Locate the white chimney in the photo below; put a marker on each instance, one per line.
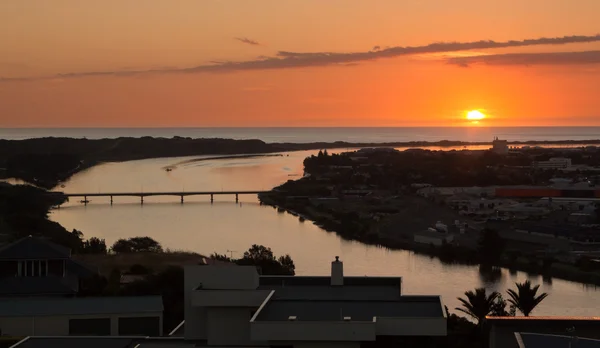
(337, 272)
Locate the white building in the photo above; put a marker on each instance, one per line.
(500, 146)
(234, 306)
(554, 163)
(436, 238)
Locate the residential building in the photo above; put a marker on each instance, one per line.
(502, 330)
(500, 146)
(33, 266)
(433, 237)
(97, 316)
(235, 306)
(553, 163)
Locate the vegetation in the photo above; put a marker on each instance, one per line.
(94, 246)
(491, 247)
(525, 299)
(478, 304)
(263, 258)
(137, 245)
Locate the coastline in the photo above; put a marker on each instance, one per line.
(459, 255)
(65, 157)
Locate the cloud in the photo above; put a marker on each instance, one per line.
(551, 58)
(247, 41)
(288, 60)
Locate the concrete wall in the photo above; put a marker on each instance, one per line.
(317, 331)
(217, 277)
(411, 326)
(502, 332)
(59, 325)
(229, 326)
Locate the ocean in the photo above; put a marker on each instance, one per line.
(308, 135)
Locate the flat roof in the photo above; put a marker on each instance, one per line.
(23, 307)
(365, 310)
(348, 293)
(75, 342)
(326, 281)
(534, 340)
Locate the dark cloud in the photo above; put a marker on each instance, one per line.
(287, 59)
(247, 41)
(552, 58)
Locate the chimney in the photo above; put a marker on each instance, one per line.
(337, 272)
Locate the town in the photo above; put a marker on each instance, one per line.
(538, 206)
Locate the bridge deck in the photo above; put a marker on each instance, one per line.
(146, 194)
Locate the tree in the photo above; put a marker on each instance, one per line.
(525, 299)
(220, 257)
(491, 246)
(499, 308)
(478, 304)
(94, 246)
(136, 245)
(263, 258)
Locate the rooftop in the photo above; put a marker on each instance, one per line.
(33, 248)
(79, 306)
(24, 286)
(358, 310)
(534, 340)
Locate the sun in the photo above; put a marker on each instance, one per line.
(475, 115)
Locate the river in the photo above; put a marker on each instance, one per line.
(228, 227)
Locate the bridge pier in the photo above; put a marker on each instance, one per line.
(236, 197)
(142, 200)
(181, 199)
(211, 197)
(111, 200)
(85, 201)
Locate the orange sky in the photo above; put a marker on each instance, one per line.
(157, 41)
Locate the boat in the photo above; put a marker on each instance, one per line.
(84, 201)
(280, 210)
(169, 169)
(301, 218)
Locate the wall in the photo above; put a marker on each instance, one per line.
(212, 277)
(59, 325)
(229, 326)
(411, 326)
(502, 333)
(312, 331)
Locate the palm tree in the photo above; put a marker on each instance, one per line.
(526, 298)
(478, 304)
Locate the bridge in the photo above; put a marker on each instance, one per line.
(141, 195)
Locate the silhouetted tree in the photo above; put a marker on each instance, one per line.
(137, 244)
(525, 299)
(478, 304)
(263, 258)
(491, 246)
(94, 246)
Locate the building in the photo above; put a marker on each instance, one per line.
(33, 266)
(500, 146)
(534, 340)
(96, 316)
(235, 306)
(433, 237)
(503, 330)
(553, 163)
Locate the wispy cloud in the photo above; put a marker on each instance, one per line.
(247, 41)
(551, 58)
(287, 59)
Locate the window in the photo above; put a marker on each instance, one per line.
(89, 327)
(32, 268)
(135, 326)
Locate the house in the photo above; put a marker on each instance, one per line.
(553, 163)
(96, 316)
(502, 330)
(500, 146)
(235, 306)
(33, 266)
(534, 340)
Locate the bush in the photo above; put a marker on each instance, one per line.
(94, 246)
(136, 245)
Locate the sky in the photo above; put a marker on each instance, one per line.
(298, 63)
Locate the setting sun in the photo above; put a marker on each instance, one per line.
(475, 115)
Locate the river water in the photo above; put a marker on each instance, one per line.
(228, 227)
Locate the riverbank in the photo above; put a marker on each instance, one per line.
(46, 162)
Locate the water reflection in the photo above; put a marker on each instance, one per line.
(224, 225)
